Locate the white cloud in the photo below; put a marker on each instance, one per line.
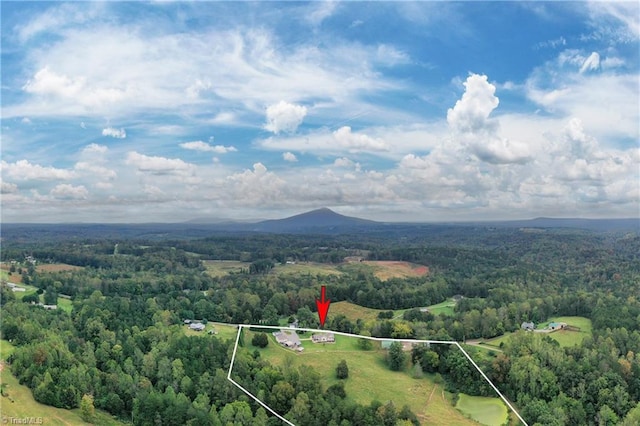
(95, 170)
(24, 170)
(114, 133)
(471, 112)
(257, 187)
(8, 188)
(289, 156)
(321, 11)
(355, 142)
(469, 120)
(26, 120)
(389, 55)
(95, 149)
(284, 117)
(158, 165)
(66, 191)
(205, 147)
(591, 63)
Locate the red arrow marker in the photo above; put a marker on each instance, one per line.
(323, 306)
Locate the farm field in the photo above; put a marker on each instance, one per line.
(387, 269)
(369, 377)
(305, 268)
(13, 278)
(353, 311)
(221, 268)
(24, 406)
(56, 267)
(485, 410)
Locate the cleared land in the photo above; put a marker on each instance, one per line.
(566, 338)
(221, 268)
(221, 331)
(485, 410)
(56, 267)
(570, 337)
(445, 308)
(369, 377)
(387, 269)
(24, 406)
(353, 311)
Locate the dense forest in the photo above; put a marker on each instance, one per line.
(123, 342)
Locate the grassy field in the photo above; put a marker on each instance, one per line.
(570, 337)
(485, 410)
(564, 337)
(56, 267)
(221, 268)
(223, 331)
(445, 307)
(24, 406)
(353, 311)
(386, 269)
(369, 377)
(305, 268)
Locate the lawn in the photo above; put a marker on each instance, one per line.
(222, 331)
(569, 337)
(445, 308)
(485, 410)
(24, 406)
(369, 377)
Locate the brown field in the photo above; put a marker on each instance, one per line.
(56, 267)
(353, 312)
(387, 269)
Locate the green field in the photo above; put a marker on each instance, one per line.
(445, 308)
(222, 331)
(24, 406)
(369, 377)
(221, 268)
(353, 312)
(570, 337)
(485, 410)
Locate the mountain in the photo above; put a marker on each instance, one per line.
(321, 219)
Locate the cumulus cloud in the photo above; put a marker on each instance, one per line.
(205, 147)
(114, 133)
(471, 112)
(357, 141)
(8, 188)
(257, 187)
(289, 156)
(24, 170)
(67, 191)
(284, 117)
(158, 165)
(472, 127)
(95, 170)
(49, 83)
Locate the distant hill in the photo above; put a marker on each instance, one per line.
(321, 219)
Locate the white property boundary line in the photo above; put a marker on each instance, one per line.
(377, 339)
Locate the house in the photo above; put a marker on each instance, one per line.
(187, 321)
(196, 326)
(288, 339)
(323, 338)
(528, 326)
(20, 289)
(49, 307)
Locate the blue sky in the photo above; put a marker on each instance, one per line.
(419, 111)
